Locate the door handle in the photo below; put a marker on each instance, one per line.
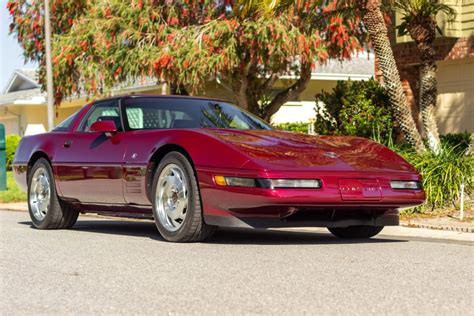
(67, 143)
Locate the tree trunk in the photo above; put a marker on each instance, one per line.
(290, 92)
(374, 21)
(249, 91)
(424, 33)
(240, 86)
(178, 89)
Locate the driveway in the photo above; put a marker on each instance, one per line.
(116, 266)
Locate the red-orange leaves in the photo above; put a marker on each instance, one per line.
(163, 61)
(70, 59)
(11, 7)
(84, 45)
(173, 21)
(118, 72)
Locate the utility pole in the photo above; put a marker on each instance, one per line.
(49, 66)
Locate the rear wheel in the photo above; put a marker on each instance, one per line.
(45, 208)
(176, 201)
(355, 231)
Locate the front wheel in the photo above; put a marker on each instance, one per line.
(355, 231)
(45, 208)
(176, 201)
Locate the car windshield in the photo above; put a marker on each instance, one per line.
(162, 113)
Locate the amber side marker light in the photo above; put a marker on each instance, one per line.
(220, 180)
(268, 183)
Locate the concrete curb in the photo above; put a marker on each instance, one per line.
(425, 233)
(16, 207)
(461, 229)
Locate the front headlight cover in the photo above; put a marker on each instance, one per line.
(295, 183)
(240, 182)
(405, 185)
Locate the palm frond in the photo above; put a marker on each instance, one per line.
(426, 8)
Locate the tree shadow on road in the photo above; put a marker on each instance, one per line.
(223, 236)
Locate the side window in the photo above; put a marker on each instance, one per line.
(104, 111)
(64, 125)
(135, 117)
(151, 116)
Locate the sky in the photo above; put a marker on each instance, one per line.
(11, 57)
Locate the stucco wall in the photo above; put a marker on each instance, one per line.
(18, 117)
(455, 108)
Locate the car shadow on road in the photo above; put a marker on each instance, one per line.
(223, 236)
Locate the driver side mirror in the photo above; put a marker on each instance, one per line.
(107, 127)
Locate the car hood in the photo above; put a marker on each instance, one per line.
(280, 150)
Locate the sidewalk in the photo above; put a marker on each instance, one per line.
(435, 228)
(21, 206)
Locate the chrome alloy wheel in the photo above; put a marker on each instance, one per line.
(172, 197)
(40, 193)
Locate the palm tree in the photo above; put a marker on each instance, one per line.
(419, 20)
(374, 22)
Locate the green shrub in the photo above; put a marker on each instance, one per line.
(13, 193)
(461, 140)
(443, 173)
(299, 127)
(12, 142)
(359, 108)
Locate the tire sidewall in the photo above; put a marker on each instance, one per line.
(43, 163)
(193, 196)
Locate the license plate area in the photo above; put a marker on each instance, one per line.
(360, 189)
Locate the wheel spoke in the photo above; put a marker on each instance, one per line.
(40, 193)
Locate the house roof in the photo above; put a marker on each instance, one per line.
(22, 79)
(30, 96)
(360, 64)
(359, 67)
(24, 89)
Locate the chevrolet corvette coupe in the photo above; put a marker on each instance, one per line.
(193, 164)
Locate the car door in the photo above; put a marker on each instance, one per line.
(89, 164)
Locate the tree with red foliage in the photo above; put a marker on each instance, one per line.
(98, 44)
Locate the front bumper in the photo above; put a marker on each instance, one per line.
(311, 218)
(325, 207)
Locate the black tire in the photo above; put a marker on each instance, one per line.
(192, 228)
(353, 232)
(58, 215)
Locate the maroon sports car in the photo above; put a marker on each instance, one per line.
(194, 164)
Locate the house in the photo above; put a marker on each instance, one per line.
(455, 61)
(23, 104)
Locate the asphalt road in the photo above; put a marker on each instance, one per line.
(114, 266)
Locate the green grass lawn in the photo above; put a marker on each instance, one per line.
(13, 192)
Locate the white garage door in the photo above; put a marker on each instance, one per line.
(455, 109)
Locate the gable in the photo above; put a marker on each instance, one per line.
(20, 81)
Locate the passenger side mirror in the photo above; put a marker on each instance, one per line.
(107, 127)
